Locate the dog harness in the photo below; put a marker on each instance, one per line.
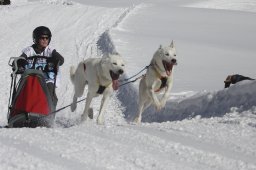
(101, 88)
(84, 67)
(162, 78)
(163, 83)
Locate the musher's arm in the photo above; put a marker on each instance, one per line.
(24, 55)
(57, 57)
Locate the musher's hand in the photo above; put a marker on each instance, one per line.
(21, 64)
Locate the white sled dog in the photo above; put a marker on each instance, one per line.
(101, 75)
(158, 78)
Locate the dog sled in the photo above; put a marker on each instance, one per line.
(30, 102)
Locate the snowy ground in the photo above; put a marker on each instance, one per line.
(203, 126)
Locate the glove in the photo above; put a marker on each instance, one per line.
(53, 60)
(57, 57)
(21, 64)
(51, 65)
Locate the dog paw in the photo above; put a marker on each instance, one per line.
(100, 121)
(137, 120)
(158, 107)
(163, 103)
(84, 117)
(90, 113)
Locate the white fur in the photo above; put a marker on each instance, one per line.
(96, 73)
(151, 82)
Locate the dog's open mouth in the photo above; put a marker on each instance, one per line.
(115, 77)
(168, 66)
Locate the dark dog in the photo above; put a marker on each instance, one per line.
(233, 79)
(5, 2)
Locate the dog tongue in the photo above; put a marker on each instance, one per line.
(169, 69)
(115, 84)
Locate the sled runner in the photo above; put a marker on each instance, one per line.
(30, 102)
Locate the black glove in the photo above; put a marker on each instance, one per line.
(51, 65)
(21, 64)
(53, 60)
(57, 57)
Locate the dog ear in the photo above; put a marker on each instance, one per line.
(172, 44)
(160, 47)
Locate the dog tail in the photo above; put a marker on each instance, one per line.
(72, 73)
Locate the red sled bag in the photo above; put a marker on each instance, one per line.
(31, 102)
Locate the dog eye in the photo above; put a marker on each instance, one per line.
(122, 65)
(167, 54)
(115, 63)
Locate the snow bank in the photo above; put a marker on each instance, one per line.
(246, 5)
(239, 97)
(63, 2)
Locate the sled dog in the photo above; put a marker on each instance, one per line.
(158, 78)
(101, 75)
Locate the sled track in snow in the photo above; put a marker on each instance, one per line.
(189, 142)
(50, 157)
(105, 43)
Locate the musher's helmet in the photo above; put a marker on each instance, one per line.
(39, 31)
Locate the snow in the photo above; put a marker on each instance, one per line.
(203, 125)
(248, 6)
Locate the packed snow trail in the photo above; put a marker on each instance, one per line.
(40, 156)
(189, 141)
(132, 146)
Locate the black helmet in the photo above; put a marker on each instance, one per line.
(39, 31)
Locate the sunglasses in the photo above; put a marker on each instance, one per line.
(44, 38)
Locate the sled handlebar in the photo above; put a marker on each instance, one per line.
(18, 64)
(13, 63)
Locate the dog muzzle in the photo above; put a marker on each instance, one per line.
(115, 76)
(169, 65)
